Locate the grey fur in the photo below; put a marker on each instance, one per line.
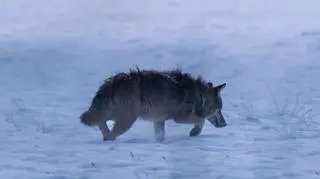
(156, 96)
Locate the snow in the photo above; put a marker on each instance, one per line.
(55, 54)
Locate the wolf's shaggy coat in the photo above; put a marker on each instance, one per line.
(156, 96)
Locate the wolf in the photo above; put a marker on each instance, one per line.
(155, 96)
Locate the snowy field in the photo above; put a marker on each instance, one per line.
(55, 54)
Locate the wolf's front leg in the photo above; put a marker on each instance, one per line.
(196, 130)
(104, 130)
(159, 130)
(121, 126)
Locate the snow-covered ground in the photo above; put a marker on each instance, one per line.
(55, 54)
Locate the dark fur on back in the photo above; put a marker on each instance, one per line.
(145, 79)
(185, 83)
(192, 86)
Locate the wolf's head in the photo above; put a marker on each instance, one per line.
(211, 105)
(99, 105)
(96, 111)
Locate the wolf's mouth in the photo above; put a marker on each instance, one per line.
(221, 125)
(217, 120)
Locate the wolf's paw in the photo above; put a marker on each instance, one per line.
(108, 138)
(194, 132)
(160, 138)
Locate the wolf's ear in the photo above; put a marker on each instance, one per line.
(220, 87)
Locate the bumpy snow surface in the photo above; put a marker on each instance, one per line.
(55, 54)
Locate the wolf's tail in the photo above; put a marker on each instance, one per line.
(89, 121)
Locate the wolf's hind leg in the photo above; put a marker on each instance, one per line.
(196, 130)
(159, 130)
(104, 130)
(121, 126)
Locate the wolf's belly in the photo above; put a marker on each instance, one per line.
(158, 112)
(188, 119)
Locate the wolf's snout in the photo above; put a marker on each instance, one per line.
(217, 120)
(221, 124)
(220, 121)
(87, 118)
(83, 116)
